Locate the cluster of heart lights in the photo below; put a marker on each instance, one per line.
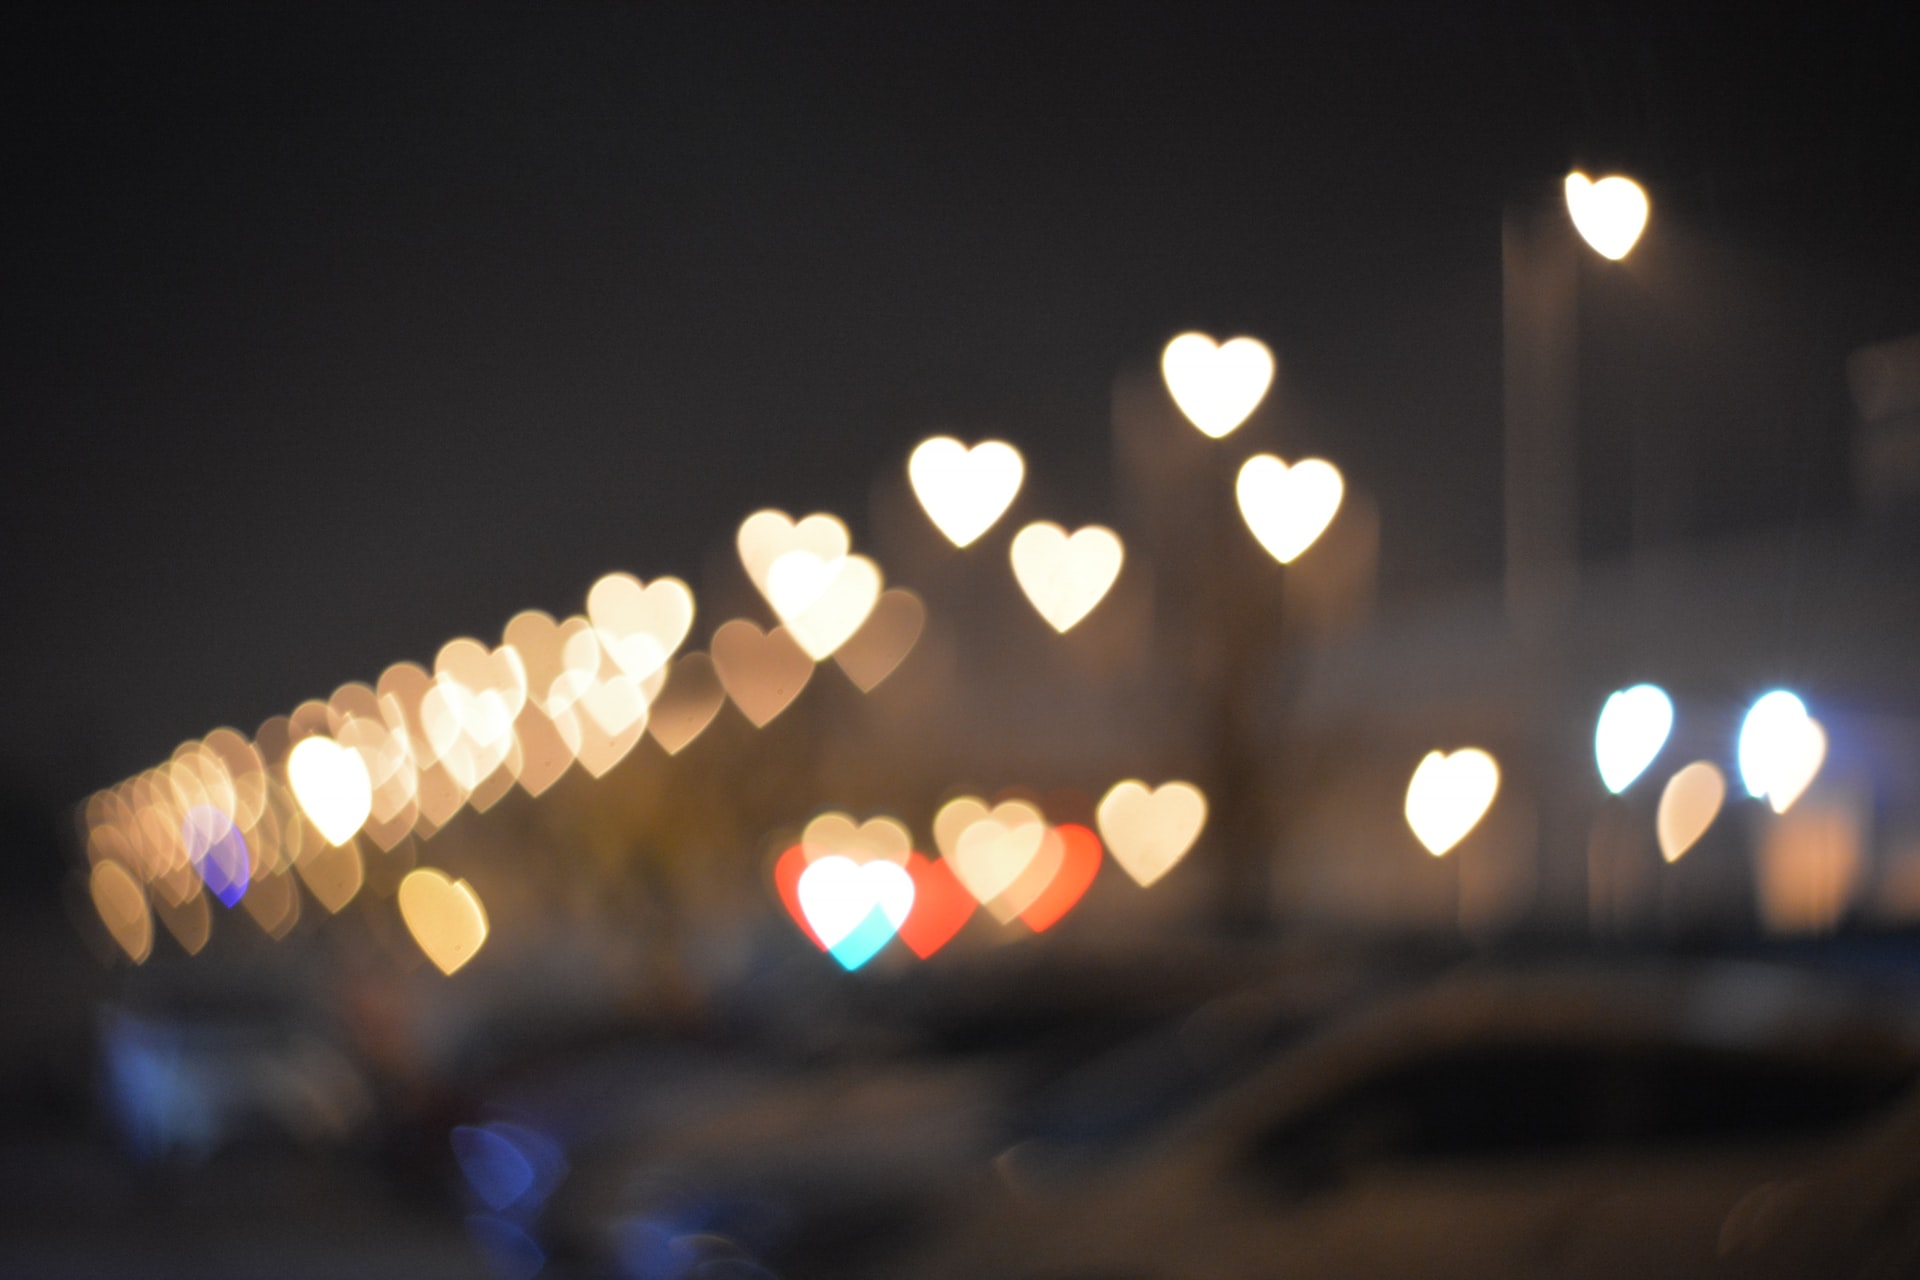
(853, 887)
(239, 818)
(1780, 750)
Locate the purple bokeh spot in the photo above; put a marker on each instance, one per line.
(219, 852)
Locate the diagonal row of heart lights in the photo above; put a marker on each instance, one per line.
(230, 816)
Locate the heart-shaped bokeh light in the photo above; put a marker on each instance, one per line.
(761, 671)
(122, 906)
(1065, 577)
(1217, 386)
(1781, 749)
(823, 603)
(884, 640)
(1287, 508)
(1633, 726)
(331, 783)
(880, 839)
(640, 625)
(1449, 794)
(765, 536)
(1149, 829)
(993, 849)
(941, 905)
(444, 916)
(1080, 859)
(965, 490)
(1688, 806)
(687, 704)
(854, 908)
(1609, 214)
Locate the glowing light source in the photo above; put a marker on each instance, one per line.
(1065, 577)
(1781, 749)
(1609, 214)
(1634, 724)
(1448, 796)
(1150, 829)
(765, 536)
(855, 908)
(444, 916)
(822, 602)
(122, 905)
(331, 783)
(761, 671)
(1288, 508)
(640, 625)
(886, 638)
(1216, 386)
(1688, 806)
(965, 490)
(218, 852)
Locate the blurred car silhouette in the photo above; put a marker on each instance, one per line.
(1570, 1123)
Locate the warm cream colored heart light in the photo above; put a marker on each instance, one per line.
(884, 640)
(1288, 507)
(1149, 829)
(1688, 806)
(993, 851)
(965, 490)
(881, 839)
(823, 603)
(331, 783)
(122, 905)
(1609, 214)
(761, 671)
(1449, 794)
(1217, 386)
(765, 536)
(640, 625)
(1065, 577)
(444, 916)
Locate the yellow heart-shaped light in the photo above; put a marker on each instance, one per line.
(331, 783)
(1288, 507)
(965, 490)
(1609, 214)
(1449, 794)
(1688, 806)
(1216, 386)
(1149, 829)
(444, 916)
(1065, 577)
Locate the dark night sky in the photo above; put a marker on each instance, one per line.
(336, 330)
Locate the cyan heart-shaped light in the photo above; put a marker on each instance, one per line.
(1609, 214)
(822, 602)
(1065, 577)
(1288, 508)
(330, 782)
(854, 908)
(1216, 386)
(1149, 829)
(965, 490)
(1633, 726)
(1449, 794)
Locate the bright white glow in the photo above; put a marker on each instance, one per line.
(1633, 727)
(965, 490)
(1781, 749)
(1609, 214)
(1448, 796)
(331, 783)
(1217, 387)
(1287, 508)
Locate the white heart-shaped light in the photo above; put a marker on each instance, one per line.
(1288, 507)
(1065, 577)
(1449, 794)
(1781, 749)
(1217, 386)
(1609, 214)
(765, 536)
(331, 784)
(1149, 829)
(823, 604)
(640, 625)
(837, 895)
(1634, 724)
(965, 490)
(1688, 806)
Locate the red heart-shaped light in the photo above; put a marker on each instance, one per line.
(941, 905)
(1077, 870)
